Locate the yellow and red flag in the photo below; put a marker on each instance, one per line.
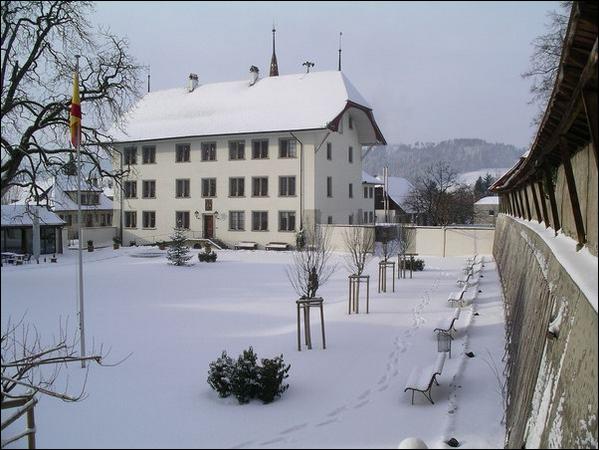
(75, 115)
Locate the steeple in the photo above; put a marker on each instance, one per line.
(274, 67)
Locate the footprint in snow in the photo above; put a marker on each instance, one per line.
(361, 404)
(295, 428)
(272, 441)
(326, 422)
(244, 444)
(337, 411)
(364, 394)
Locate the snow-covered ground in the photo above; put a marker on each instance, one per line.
(175, 320)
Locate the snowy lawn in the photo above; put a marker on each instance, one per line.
(175, 320)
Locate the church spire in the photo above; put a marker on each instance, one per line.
(274, 67)
(339, 65)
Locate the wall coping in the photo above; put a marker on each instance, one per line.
(581, 265)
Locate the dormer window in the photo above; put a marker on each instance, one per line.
(350, 123)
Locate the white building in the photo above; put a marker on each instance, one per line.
(486, 209)
(245, 160)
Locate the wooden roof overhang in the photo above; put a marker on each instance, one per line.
(565, 120)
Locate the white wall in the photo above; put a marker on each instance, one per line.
(102, 236)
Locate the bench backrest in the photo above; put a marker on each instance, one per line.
(456, 314)
(439, 363)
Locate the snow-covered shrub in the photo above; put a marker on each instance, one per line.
(220, 373)
(178, 252)
(207, 255)
(417, 265)
(244, 380)
(272, 374)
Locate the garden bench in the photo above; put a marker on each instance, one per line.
(422, 379)
(457, 296)
(246, 245)
(447, 325)
(276, 246)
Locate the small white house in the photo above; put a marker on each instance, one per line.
(485, 210)
(253, 160)
(19, 229)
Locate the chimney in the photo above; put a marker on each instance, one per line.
(254, 75)
(193, 82)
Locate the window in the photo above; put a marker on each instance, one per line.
(237, 220)
(130, 155)
(350, 122)
(208, 151)
(208, 187)
(329, 151)
(149, 219)
(365, 216)
(148, 154)
(182, 153)
(491, 212)
(260, 149)
(287, 148)
(371, 216)
(182, 188)
(148, 189)
(286, 186)
(330, 220)
(340, 127)
(259, 220)
(259, 186)
(371, 192)
(329, 186)
(351, 190)
(236, 150)
(130, 188)
(350, 219)
(237, 187)
(365, 192)
(182, 219)
(286, 220)
(350, 154)
(130, 219)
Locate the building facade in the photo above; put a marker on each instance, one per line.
(486, 209)
(251, 162)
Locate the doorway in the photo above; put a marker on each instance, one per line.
(208, 226)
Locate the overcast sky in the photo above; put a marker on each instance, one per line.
(431, 71)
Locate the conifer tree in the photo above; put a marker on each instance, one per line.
(178, 253)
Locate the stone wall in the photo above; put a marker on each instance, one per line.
(552, 380)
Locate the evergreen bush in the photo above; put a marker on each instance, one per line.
(272, 374)
(244, 381)
(418, 265)
(220, 373)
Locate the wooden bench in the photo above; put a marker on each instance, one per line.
(276, 246)
(246, 245)
(463, 297)
(422, 379)
(447, 325)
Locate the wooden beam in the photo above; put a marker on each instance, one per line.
(527, 203)
(589, 98)
(535, 201)
(521, 200)
(543, 204)
(570, 180)
(518, 214)
(551, 193)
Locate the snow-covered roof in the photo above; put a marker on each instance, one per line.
(490, 200)
(307, 101)
(19, 215)
(60, 200)
(399, 189)
(367, 178)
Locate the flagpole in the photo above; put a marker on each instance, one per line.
(79, 218)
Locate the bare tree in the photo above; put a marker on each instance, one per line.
(544, 61)
(389, 239)
(311, 266)
(359, 243)
(29, 367)
(39, 42)
(438, 197)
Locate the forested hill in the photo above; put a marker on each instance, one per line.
(465, 155)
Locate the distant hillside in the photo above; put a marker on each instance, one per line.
(465, 155)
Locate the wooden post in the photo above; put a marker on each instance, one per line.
(589, 99)
(31, 427)
(299, 334)
(533, 191)
(565, 152)
(367, 293)
(349, 300)
(543, 203)
(518, 211)
(357, 296)
(526, 203)
(552, 202)
(324, 342)
(411, 265)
